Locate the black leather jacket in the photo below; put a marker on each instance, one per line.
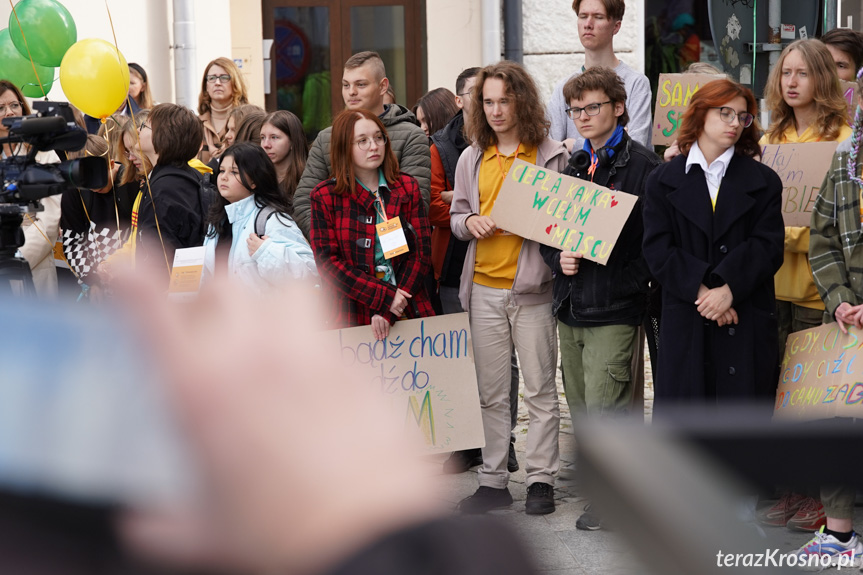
(617, 291)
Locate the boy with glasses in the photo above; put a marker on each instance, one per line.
(599, 307)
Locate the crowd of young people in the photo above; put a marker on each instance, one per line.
(706, 232)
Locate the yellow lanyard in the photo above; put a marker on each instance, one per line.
(502, 163)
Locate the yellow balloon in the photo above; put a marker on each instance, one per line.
(95, 77)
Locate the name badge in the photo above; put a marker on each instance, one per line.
(392, 237)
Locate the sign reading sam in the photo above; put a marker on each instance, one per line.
(561, 211)
(675, 91)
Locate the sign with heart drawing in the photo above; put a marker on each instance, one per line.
(562, 212)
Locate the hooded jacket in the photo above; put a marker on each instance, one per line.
(532, 282)
(409, 144)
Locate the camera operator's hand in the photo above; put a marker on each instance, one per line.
(263, 402)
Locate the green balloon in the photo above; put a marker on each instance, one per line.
(19, 70)
(48, 28)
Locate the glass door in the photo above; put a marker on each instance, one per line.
(313, 38)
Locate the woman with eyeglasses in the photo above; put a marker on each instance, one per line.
(41, 229)
(713, 240)
(222, 90)
(806, 105)
(372, 278)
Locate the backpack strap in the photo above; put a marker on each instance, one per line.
(264, 214)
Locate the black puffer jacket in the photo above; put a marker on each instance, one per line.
(618, 291)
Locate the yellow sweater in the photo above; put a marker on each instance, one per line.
(794, 281)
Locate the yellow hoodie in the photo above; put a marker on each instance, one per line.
(794, 281)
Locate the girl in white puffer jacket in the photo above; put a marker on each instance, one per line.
(276, 252)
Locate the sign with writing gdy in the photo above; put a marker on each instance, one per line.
(802, 168)
(674, 93)
(425, 370)
(821, 376)
(561, 211)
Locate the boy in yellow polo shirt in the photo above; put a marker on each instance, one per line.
(506, 286)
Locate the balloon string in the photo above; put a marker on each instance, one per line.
(140, 149)
(29, 55)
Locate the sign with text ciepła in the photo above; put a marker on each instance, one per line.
(424, 370)
(561, 211)
(821, 376)
(673, 94)
(802, 168)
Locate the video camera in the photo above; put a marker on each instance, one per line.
(24, 180)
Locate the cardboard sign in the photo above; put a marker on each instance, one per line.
(562, 212)
(674, 93)
(426, 371)
(186, 273)
(849, 91)
(821, 376)
(802, 168)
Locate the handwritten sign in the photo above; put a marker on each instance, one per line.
(561, 211)
(425, 369)
(675, 91)
(802, 168)
(849, 91)
(821, 376)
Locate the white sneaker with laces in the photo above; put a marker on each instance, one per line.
(824, 551)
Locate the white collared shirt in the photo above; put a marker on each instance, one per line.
(714, 172)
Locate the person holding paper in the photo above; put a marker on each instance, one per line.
(713, 239)
(599, 307)
(252, 204)
(370, 233)
(806, 105)
(506, 287)
(834, 253)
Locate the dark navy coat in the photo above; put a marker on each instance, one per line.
(686, 244)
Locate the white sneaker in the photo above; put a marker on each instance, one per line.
(824, 551)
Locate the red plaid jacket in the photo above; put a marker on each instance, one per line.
(342, 236)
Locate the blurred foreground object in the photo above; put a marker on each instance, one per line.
(294, 458)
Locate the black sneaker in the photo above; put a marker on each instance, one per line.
(540, 499)
(485, 499)
(512, 462)
(461, 461)
(588, 521)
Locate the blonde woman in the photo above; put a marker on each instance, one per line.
(806, 105)
(222, 90)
